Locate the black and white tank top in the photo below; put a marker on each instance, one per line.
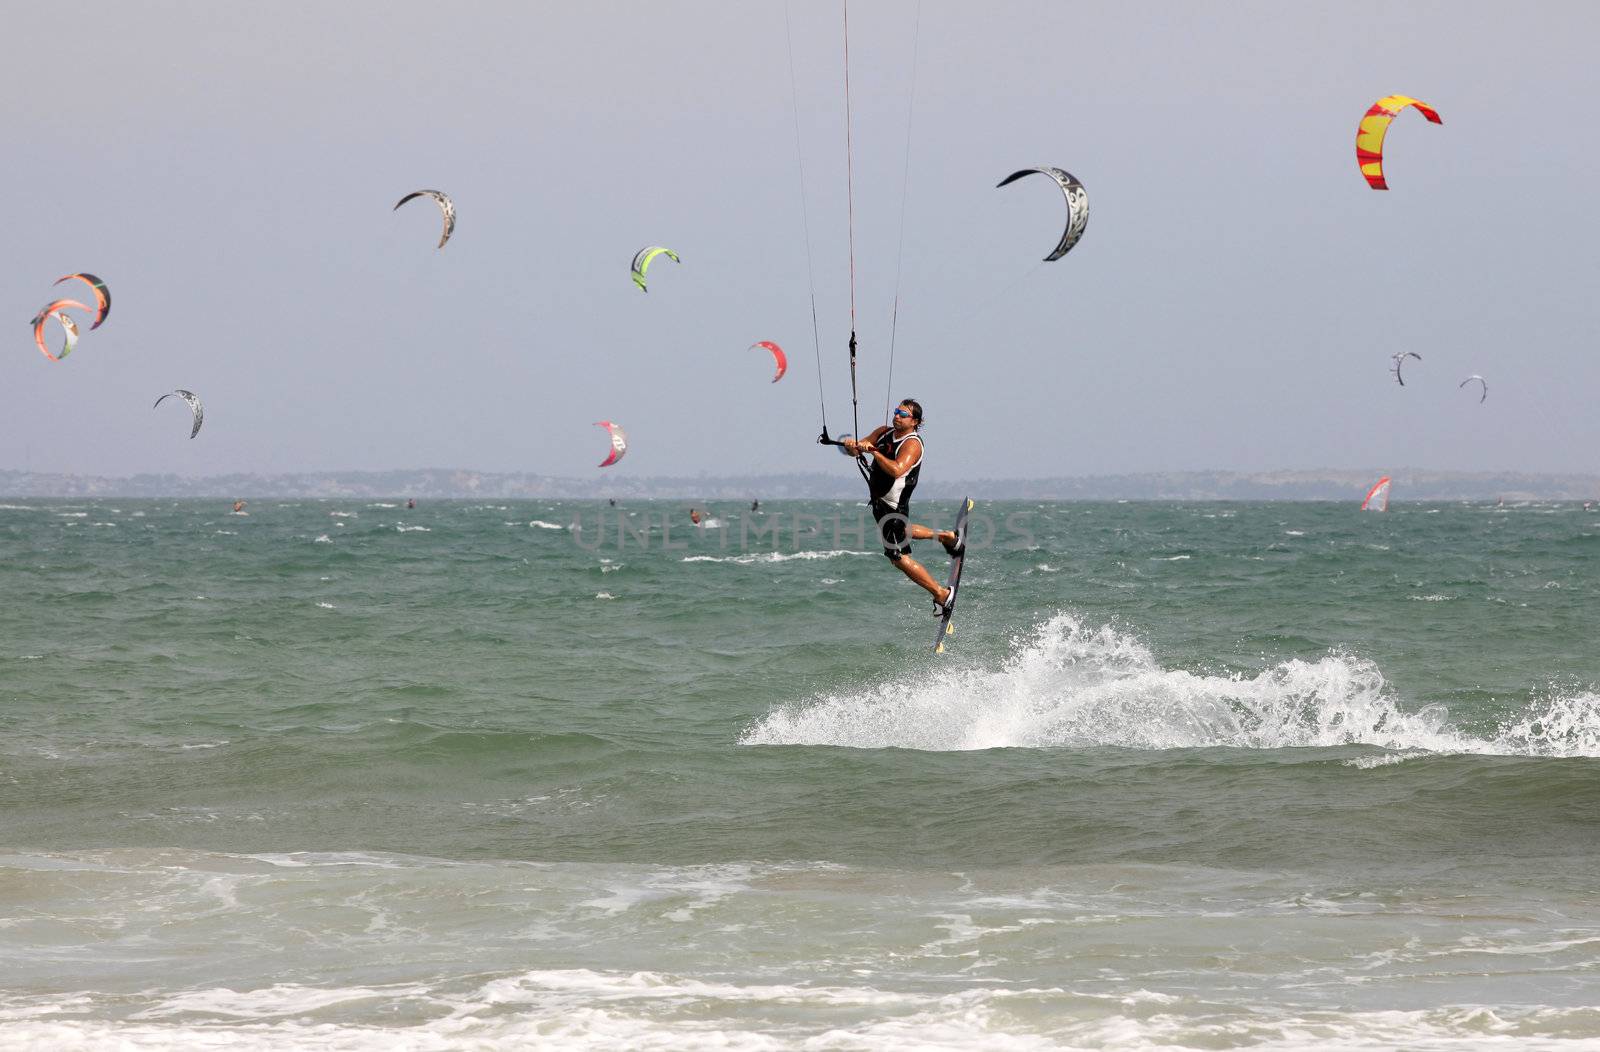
(885, 488)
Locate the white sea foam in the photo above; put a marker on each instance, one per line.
(767, 557)
(314, 859)
(1065, 684)
(327, 606)
(604, 595)
(542, 525)
(582, 1010)
(323, 538)
(280, 1000)
(344, 514)
(403, 528)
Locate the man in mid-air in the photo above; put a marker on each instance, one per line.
(896, 455)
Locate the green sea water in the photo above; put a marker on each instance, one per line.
(341, 773)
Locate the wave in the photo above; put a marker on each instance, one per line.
(1068, 685)
(582, 1009)
(768, 557)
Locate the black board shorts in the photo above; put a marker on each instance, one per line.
(891, 528)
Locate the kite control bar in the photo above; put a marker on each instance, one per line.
(825, 439)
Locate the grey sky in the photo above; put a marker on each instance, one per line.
(229, 170)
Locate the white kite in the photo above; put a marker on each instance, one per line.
(195, 407)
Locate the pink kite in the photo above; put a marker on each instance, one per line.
(1378, 496)
(619, 442)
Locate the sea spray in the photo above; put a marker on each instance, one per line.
(1066, 685)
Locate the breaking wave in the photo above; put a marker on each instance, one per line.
(1067, 685)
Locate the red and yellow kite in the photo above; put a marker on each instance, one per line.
(1369, 136)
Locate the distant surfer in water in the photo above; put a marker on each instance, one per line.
(694, 516)
(755, 505)
(896, 455)
(411, 502)
(238, 505)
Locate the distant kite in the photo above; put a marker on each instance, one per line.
(55, 310)
(1378, 496)
(446, 206)
(1077, 205)
(778, 356)
(619, 443)
(1399, 360)
(641, 262)
(1373, 127)
(1481, 380)
(195, 408)
(102, 295)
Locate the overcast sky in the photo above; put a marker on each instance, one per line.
(229, 169)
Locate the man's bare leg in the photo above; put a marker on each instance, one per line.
(914, 570)
(923, 533)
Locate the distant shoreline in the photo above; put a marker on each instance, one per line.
(1410, 484)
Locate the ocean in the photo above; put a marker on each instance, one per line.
(343, 774)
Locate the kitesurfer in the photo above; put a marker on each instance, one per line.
(896, 455)
(411, 502)
(694, 516)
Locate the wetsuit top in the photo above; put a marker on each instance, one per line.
(885, 489)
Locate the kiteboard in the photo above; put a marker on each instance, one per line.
(954, 583)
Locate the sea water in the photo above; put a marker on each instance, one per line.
(341, 774)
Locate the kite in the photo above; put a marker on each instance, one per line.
(70, 327)
(619, 442)
(1480, 380)
(102, 295)
(1377, 498)
(446, 206)
(778, 356)
(1077, 205)
(1374, 125)
(1399, 360)
(194, 407)
(641, 262)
